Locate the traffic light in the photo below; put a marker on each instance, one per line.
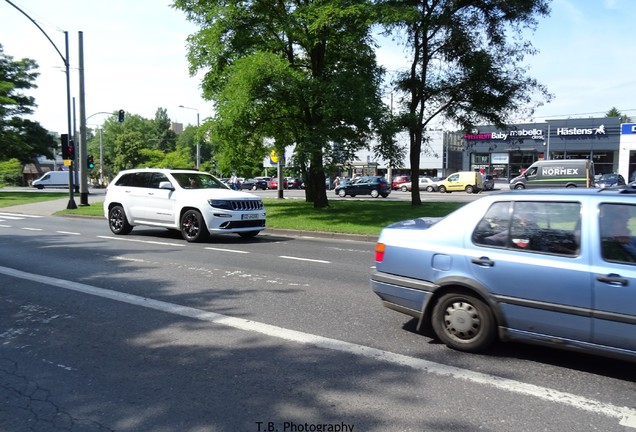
(90, 162)
(68, 147)
(121, 116)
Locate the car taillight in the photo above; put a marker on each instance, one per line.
(379, 251)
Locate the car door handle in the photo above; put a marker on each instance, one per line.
(483, 261)
(612, 279)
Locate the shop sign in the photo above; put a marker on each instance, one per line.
(628, 129)
(499, 158)
(503, 136)
(581, 131)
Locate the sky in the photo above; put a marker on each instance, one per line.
(135, 58)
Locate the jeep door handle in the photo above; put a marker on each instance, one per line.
(483, 261)
(612, 279)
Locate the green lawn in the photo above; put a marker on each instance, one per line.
(342, 216)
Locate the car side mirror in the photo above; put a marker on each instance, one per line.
(166, 185)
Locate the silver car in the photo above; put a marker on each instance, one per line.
(550, 267)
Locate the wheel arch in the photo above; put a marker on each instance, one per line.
(458, 285)
(126, 212)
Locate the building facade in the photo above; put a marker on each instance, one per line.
(505, 153)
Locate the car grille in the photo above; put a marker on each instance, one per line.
(238, 205)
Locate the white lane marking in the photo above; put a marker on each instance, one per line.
(6, 226)
(68, 232)
(19, 215)
(32, 229)
(625, 415)
(7, 217)
(227, 250)
(304, 259)
(141, 241)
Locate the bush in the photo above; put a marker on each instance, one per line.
(11, 172)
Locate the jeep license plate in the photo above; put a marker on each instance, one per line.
(249, 216)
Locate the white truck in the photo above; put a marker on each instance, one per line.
(52, 179)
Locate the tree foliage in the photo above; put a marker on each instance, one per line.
(20, 138)
(466, 63)
(302, 72)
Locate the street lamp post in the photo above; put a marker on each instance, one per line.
(198, 139)
(65, 59)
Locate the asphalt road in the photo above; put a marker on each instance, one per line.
(149, 333)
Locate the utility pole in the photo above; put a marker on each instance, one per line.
(83, 154)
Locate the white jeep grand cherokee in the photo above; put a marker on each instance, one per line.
(193, 202)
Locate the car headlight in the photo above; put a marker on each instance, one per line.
(220, 204)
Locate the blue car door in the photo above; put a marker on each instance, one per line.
(614, 321)
(536, 271)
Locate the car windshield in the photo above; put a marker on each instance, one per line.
(609, 176)
(198, 181)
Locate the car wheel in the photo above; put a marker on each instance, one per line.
(248, 234)
(404, 189)
(442, 189)
(254, 187)
(463, 322)
(429, 189)
(342, 193)
(118, 222)
(375, 193)
(469, 189)
(193, 227)
(384, 195)
(519, 186)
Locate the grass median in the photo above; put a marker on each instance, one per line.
(366, 217)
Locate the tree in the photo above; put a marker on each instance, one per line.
(302, 72)
(166, 138)
(20, 138)
(466, 64)
(614, 112)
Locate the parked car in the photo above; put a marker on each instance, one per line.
(469, 181)
(549, 267)
(273, 183)
(609, 180)
(399, 180)
(295, 183)
(368, 185)
(488, 182)
(253, 184)
(193, 202)
(423, 183)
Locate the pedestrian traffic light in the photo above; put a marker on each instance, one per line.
(90, 162)
(121, 116)
(68, 148)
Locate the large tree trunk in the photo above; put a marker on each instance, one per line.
(317, 181)
(414, 157)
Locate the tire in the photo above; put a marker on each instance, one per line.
(442, 189)
(469, 189)
(375, 193)
(430, 189)
(519, 186)
(404, 189)
(342, 193)
(118, 222)
(254, 187)
(248, 234)
(384, 195)
(463, 322)
(193, 227)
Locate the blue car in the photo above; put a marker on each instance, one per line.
(554, 267)
(610, 180)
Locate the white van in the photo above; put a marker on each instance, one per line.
(52, 179)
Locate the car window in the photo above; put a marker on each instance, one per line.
(138, 179)
(156, 180)
(552, 227)
(617, 224)
(198, 181)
